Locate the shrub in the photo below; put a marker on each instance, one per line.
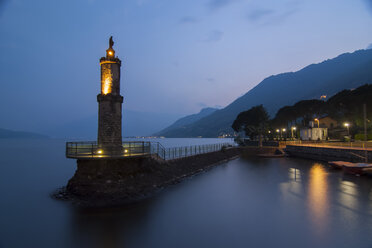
(360, 136)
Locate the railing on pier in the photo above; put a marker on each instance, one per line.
(354, 144)
(186, 151)
(91, 150)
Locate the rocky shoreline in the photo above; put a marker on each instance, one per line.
(116, 182)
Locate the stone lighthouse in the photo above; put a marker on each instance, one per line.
(109, 103)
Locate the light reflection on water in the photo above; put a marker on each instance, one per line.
(318, 197)
(242, 203)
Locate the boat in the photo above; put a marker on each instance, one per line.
(338, 164)
(357, 168)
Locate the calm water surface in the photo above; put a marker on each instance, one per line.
(242, 203)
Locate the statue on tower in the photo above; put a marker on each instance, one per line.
(111, 42)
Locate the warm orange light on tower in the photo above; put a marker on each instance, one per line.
(107, 86)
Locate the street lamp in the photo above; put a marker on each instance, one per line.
(293, 128)
(284, 130)
(277, 130)
(347, 125)
(317, 120)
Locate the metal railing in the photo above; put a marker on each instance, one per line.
(186, 151)
(91, 150)
(336, 144)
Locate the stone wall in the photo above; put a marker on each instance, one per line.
(109, 120)
(328, 154)
(103, 182)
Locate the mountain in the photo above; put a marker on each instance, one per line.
(134, 124)
(144, 123)
(346, 71)
(10, 134)
(187, 120)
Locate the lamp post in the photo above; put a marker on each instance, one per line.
(284, 130)
(293, 128)
(277, 131)
(317, 120)
(347, 125)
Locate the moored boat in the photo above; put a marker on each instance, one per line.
(338, 164)
(357, 168)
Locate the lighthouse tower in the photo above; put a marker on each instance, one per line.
(109, 103)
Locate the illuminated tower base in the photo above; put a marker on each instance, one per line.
(109, 103)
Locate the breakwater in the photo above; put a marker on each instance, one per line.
(329, 153)
(110, 182)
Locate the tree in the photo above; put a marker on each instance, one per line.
(285, 115)
(253, 121)
(305, 110)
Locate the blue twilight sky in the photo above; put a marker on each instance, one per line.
(178, 56)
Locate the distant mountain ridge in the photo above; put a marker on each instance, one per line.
(10, 134)
(346, 71)
(184, 121)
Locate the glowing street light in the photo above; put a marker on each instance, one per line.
(317, 120)
(347, 125)
(293, 128)
(284, 130)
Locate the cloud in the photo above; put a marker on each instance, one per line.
(370, 46)
(217, 4)
(188, 19)
(265, 16)
(257, 14)
(210, 79)
(214, 36)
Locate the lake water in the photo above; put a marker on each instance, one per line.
(242, 203)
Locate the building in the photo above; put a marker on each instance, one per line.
(109, 142)
(110, 103)
(327, 122)
(313, 133)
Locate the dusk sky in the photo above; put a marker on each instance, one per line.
(177, 56)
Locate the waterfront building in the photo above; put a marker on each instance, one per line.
(327, 122)
(313, 133)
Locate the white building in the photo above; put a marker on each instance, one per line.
(313, 133)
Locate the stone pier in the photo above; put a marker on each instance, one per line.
(329, 153)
